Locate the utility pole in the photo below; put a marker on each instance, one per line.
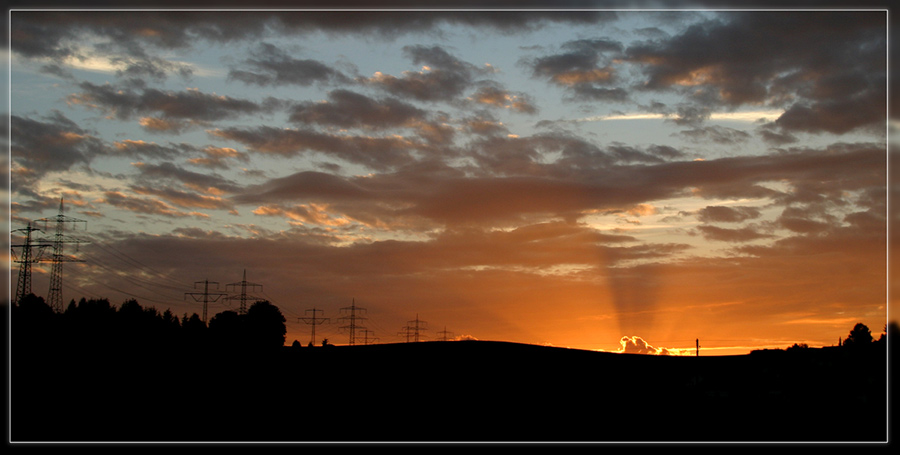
(414, 329)
(352, 320)
(698, 347)
(205, 294)
(23, 287)
(244, 284)
(54, 297)
(313, 320)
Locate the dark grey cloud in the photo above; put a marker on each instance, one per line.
(585, 68)
(188, 105)
(184, 199)
(445, 79)
(493, 95)
(716, 134)
(576, 157)
(151, 174)
(744, 234)
(724, 214)
(827, 68)
(306, 185)
(378, 153)
(59, 34)
(145, 206)
(53, 143)
(484, 124)
(271, 66)
(346, 109)
(152, 150)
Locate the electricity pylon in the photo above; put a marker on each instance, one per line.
(205, 294)
(313, 320)
(54, 297)
(23, 287)
(244, 284)
(366, 339)
(445, 335)
(353, 318)
(414, 329)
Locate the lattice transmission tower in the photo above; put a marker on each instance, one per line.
(205, 295)
(58, 257)
(243, 297)
(352, 320)
(414, 328)
(313, 321)
(26, 258)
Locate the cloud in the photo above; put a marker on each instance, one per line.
(184, 199)
(832, 65)
(495, 96)
(143, 149)
(152, 174)
(346, 109)
(271, 66)
(716, 134)
(723, 214)
(377, 153)
(56, 33)
(218, 157)
(584, 69)
(189, 105)
(442, 76)
(142, 205)
(745, 234)
(55, 143)
(637, 345)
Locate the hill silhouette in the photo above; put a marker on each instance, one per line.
(98, 373)
(445, 391)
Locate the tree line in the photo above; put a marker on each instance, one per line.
(98, 323)
(860, 338)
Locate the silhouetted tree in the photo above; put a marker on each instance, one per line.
(193, 329)
(859, 337)
(33, 322)
(226, 329)
(265, 325)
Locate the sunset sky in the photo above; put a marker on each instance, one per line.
(566, 178)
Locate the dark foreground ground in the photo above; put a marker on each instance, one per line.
(465, 391)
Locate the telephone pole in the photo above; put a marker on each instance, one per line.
(352, 320)
(698, 347)
(205, 294)
(54, 297)
(244, 284)
(313, 321)
(414, 329)
(23, 287)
